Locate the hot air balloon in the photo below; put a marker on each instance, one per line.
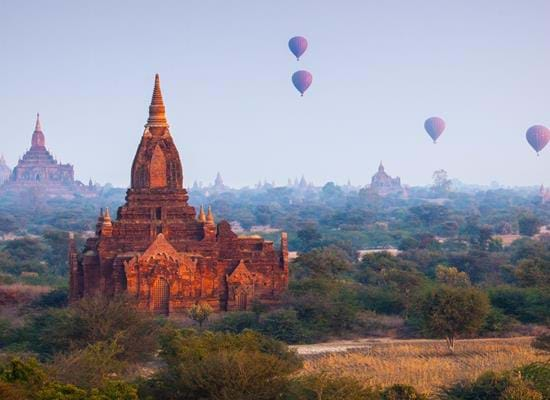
(538, 136)
(298, 46)
(435, 127)
(302, 80)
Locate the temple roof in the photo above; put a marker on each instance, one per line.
(157, 111)
(38, 138)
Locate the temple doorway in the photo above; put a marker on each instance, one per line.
(161, 296)
(242, 300)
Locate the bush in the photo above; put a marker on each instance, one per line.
(401, 392)
(282, 325)
(542, 342)
(539, 375)
(493, 386)
(91, 320)
(529, 305)
(56, 298)
(325, 387)
(235, 322)
(221, 366)
(28, 380)
(325, 307)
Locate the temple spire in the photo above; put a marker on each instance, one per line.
(157, 112)
(38, 127)
(38, 139)
(210, 216)
(202, 216)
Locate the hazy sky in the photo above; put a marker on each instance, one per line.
(380, 69)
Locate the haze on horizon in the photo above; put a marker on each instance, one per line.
(380, 69)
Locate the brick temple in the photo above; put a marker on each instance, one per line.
(40, 172)
(383, 184)
(160, 251)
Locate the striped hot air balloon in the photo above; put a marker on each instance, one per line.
(302, 80)
(538, 137)
(435, 127)
(298, 46)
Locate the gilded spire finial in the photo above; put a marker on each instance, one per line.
(107, 216)
(157, 111)
(37, 126)
(202, 216)
(38, 139)
(210, 216)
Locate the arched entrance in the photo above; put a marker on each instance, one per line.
(161, 296)
(241, 300)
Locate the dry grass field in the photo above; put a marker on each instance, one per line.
(425, 364)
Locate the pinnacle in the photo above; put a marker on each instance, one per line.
(157, 111)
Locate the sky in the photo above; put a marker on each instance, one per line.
(380, 68)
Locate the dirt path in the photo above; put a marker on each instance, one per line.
(363, 344)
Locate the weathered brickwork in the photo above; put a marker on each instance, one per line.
(159, 251)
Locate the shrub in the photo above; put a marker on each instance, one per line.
(542, 342)
(401, 392)
(282, 325)
(525, 304)
(221, 366)
(235, 322)
(91, 320)
(326, 387)
(539, 375)
(56, 298)
(493, 386)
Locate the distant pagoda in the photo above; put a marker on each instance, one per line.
(39, 170)
(5, 171)
(383, 184)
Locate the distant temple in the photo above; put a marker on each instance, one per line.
(544, 195)
(5, 171)
(38, 169)
(159, 251)
(383, 184)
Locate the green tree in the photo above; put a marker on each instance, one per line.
(533, 272)
(322, 386)
(441, 182)
(200, 312)
(282, 325)
(449, 312)
(529, 224)
(452, 276)
(221, 366)
(328, 261)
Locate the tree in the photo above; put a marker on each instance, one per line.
(452, 276)
(442, 183)
(322, 262)
(326, 387)
(448, 312)
(220, 366)
(309, 236)
(533, 272)
(200, 312)
(282, 325)
(529, 224)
